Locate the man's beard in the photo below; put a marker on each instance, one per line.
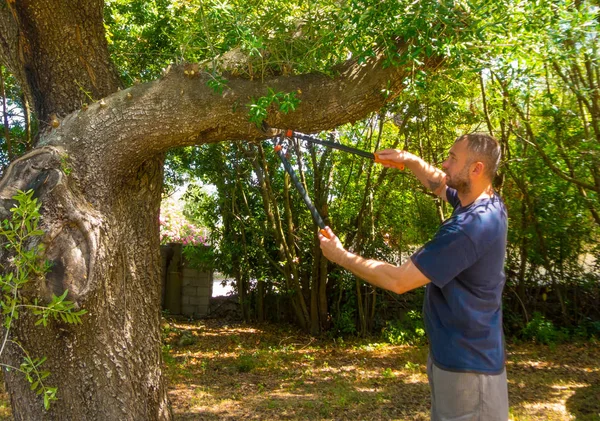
(460, 182)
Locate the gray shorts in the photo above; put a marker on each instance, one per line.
(467, 396)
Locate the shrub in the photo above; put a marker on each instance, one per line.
(344, 321)
(245, 363)
(409, 330)
(542, 331)
(588, 329)
(176, 228)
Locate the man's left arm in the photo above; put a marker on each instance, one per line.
(398, 279)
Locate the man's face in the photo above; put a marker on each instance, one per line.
(457, 167)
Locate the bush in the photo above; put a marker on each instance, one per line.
(410, 330)
(587, 329)
(344, 321)
(542, 331)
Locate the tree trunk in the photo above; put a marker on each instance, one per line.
(108, 258)
(7, 139)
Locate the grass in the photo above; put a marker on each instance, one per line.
(274, 372)
(236, 371)
(220, 371)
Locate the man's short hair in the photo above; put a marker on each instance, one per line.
(485, 149)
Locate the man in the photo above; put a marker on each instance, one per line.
(463, 268)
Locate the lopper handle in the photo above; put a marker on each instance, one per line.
(314, 212)
(325, 233)
(398, 165)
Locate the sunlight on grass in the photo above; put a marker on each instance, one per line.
(274, 372)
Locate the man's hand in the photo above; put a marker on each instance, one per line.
(332, 247)
(394, 158)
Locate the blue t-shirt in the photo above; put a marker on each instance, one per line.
(463, 303)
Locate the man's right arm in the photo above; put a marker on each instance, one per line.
(432, 178)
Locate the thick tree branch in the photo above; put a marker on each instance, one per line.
(133, 125)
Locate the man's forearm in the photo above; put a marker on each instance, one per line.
(432, 178)
(398, 279)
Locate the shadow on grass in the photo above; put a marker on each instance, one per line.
(554, 382)
(311, 399)
(584, 404)
(275, 373)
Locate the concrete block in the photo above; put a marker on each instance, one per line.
(189, 291)
(193, 282)
(193, 273)
(204, 291)
(196, 301)
(188, 280)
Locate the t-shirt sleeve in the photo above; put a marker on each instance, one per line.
(444, 257)
(452, 197)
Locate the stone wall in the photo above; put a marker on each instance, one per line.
(196, 292)
(185, 291)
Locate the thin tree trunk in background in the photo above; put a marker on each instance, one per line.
(361, 311)
(543, 248)
(7, 139)
(373, 308)
(323, 306)
(315, 325)
(260, 300)
(486, 114)
(321, 180)
(274, 220)
(28, 131)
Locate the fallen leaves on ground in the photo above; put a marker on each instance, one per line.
(231, 371)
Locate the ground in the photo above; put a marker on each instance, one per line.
(219, 370)
(233, 371)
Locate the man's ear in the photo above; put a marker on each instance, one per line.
(478, 168)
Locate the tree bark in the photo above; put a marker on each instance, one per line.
(97, 170)
(7, 140)
(107, 257)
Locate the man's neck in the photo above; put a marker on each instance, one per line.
(474, 194)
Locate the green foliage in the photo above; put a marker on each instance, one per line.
(217, 84)
(21, 236)
(259, 108)
(59, 309)
(31, 369)
(16, 136)
(533, 60)
(200, 257)
(245, 363)
(542, 331)
(410, 330)
(587, 329)
(64, 164)
(187, 339)
(345, 321)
